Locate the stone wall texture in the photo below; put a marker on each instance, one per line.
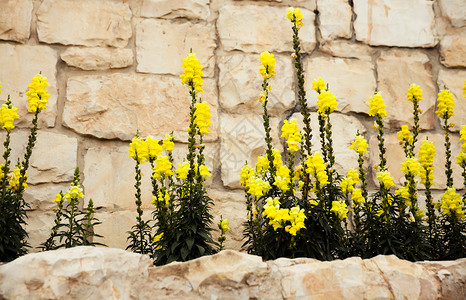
(114, 66)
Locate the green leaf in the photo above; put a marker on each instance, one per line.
(190, 243)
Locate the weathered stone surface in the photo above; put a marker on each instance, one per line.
(39, 225)
(241, 140)
(89, 23)
(97, 58)
(15, 19)
(395, 156)
(240, 84)
(263, 28)
(347, 49)
(41, 196)
(455, 10)
(116, 105)
(397, 70)
(193, 9)
(19, 64)
(105, 273)
(350, 80)
(453, 50)
(335, 19)
(454, 80)
(115, 226)
(380, 22)
(161, 46)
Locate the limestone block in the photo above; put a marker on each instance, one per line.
(41, 196)
(19, 64)
(97, 58)
(395, 156)
(454, 80)
(455, 10)
(347, 49)
(397, 70)
(344, 129)
(161, 46)
(89, 23)
(265, 27)
(335, 19)
(39, 225)
(453, 50)
(381, 22)
(16, 20)
(116, 105)
(348, 79)
(242, 139)
(197, 9)
(240, 84)
(115, 226)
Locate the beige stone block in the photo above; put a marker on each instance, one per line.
(348, 79)
(397, 70)
(402, 23)
(19, 64)
(88, 23)
(97, 58)
(41, 196)
(116, 105)
(192, 9)
(347, 49)
(254, 28)
(39, 225)
(335, 19)
(161, 46)
(455, 11)
(240, 84)
(115, 226)
(395, 156)
(453, 51)
(242, 139)
(15, 16)
(454, 80)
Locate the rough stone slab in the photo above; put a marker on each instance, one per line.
(455, 11)
(161, 46)
(97, 58)
(397, 70)
(381, 22)
(89, 23)
(192, 9)
(240, 84)
(347, 49)
(348, 79)
(453, 50)
(254, 28)
(454, 80)
(19, 64)
(115, 226)
(41, 196)
(116, 105)
(15, 19)
(39, 226)
(335, 19)
(242, 139)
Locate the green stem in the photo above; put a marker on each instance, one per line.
(448, 170)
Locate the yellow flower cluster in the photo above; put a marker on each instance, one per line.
(291, 133)
(14, 178)
(74, 192)
(327, 102)
(154, 148)
(295, 16)
(357, 197)
(385, 179)
(262, 164)
(282, 178)
(404, 135)
(318, 85)
(414, 92)
(204, 172)
(461, 158)
(256, 186)
(167, 143)
(192, 72)
(268, 62)
(446, 104)
(339, 209)
(161, 197)
(317, 168)
(410, 166)
(426, 160)
(8, 114)
(297, 218)
(202, 117)
(403, 192)
(138, 150)
(278, 217)
(347, 184)
(451, 204)
(183, 170)
(38, 96)
(245, 173)
(359, 144)
(163, 167)
(377, 106)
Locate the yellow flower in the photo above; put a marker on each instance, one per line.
(8, 114)
(426, 154)
(183, 170)
(359, 144)
(410, 166)
(318, 85)
(327, 102)
(463, 137)
(262, 97)
(451, 203)
(403, 192)
(404, 135)
(277, 158)
(291, 133)
(138, 150)
(204, 172)
(297, 218)
(167, 143)
(38, 96)
(192, 72)
(14, 178)
(163, 167)
(157, 239)
(295, 16)
(282, 178)
(461, 159)
(357, 197)
(376, 106)
(268, 62)
(74, 192)
(446, 104)
(385, 179)
(414, 92)
(257, 187)
(202, 117)
(339, 209)
(317, 168)
(154, 148)
(223, 225)
(58, 198)
(347, 184)
(262, 164)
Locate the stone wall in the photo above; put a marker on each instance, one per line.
(113, 67)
